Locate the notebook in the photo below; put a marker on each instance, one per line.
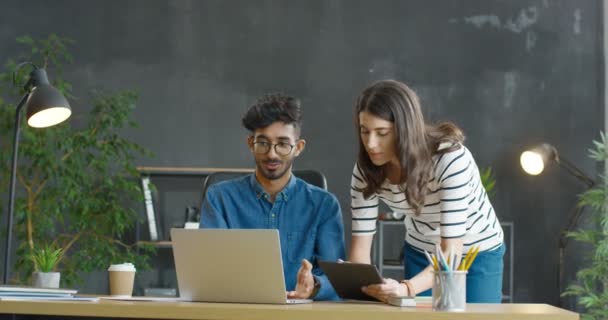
(32, 291)
(21, 293)
(230, 265)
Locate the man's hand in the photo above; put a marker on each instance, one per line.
(390, 288)
(305, 282)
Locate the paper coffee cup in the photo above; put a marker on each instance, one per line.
(122, 277)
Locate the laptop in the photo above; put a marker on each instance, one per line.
(230, 265)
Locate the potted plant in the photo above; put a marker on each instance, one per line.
(591, 290)
(45, 259)
(77, 185)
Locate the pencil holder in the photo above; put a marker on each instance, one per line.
(449, 290)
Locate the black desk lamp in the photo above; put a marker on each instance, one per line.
(533, 162)
(46, 106)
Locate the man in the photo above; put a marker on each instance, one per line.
(308, 218)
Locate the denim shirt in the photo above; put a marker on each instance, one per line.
(308, 218)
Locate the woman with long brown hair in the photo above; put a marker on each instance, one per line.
(424, 172)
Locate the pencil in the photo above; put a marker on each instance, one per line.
(428, 257)
(466, 257)
(462, 263)
(443, 260)
(472, 258)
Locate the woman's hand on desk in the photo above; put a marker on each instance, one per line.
(390, 288)
(305, 283)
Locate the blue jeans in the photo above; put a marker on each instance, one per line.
(484, 279)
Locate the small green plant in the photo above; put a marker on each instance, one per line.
(488, 180)
(591, 288)
(45, 258)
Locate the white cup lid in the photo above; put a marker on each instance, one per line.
(122, 267)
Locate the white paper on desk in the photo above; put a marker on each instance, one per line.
(10, 290)
(34, 298)
(34, 294)
(143, 298)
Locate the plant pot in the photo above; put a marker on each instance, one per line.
(46, 279)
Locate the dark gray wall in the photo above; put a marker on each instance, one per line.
(510, 73)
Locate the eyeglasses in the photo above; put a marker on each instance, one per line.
(281, 148)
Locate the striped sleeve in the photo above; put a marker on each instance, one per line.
(364, 211)
(454, 173)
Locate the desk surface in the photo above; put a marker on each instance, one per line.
(317, 310)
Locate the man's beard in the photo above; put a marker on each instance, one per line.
(274, 174)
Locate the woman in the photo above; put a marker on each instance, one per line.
(425, 172)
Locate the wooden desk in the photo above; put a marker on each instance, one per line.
(317, 310)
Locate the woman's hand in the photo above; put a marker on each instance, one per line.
(390, 288)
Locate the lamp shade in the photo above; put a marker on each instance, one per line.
(46, 106)
(534, 160)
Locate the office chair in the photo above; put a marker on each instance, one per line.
(313, 177)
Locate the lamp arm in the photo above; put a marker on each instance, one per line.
(28, 84)
(563, 242)
(578, 210)
(573, 217)
(11, 190)
(572, 222)
(572, 169)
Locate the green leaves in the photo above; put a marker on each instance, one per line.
(594, 198)
(592, 286)
(78, 188)
(488, 180)
(599, 153)
(45, 258)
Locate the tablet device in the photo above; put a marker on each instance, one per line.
(348, 278)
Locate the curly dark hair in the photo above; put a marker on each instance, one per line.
(272, 108)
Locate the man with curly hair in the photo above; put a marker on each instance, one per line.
(308, 218)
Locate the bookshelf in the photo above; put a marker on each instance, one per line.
(174, 189)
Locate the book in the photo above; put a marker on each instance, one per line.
(24, 290)
(34, 294)
(70, 298)
(402, 301)
(22, 293)
(149, 206)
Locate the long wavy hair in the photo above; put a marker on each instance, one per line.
(416, 141)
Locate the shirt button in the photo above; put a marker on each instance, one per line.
(272, 214)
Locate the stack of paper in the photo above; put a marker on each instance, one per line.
(29, 293)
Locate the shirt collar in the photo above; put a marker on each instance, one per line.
(284, 194)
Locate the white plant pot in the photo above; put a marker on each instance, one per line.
(46, 279)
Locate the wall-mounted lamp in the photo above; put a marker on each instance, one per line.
(534, 161)
(46, 107)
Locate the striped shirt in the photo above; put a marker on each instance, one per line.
(456, 206)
